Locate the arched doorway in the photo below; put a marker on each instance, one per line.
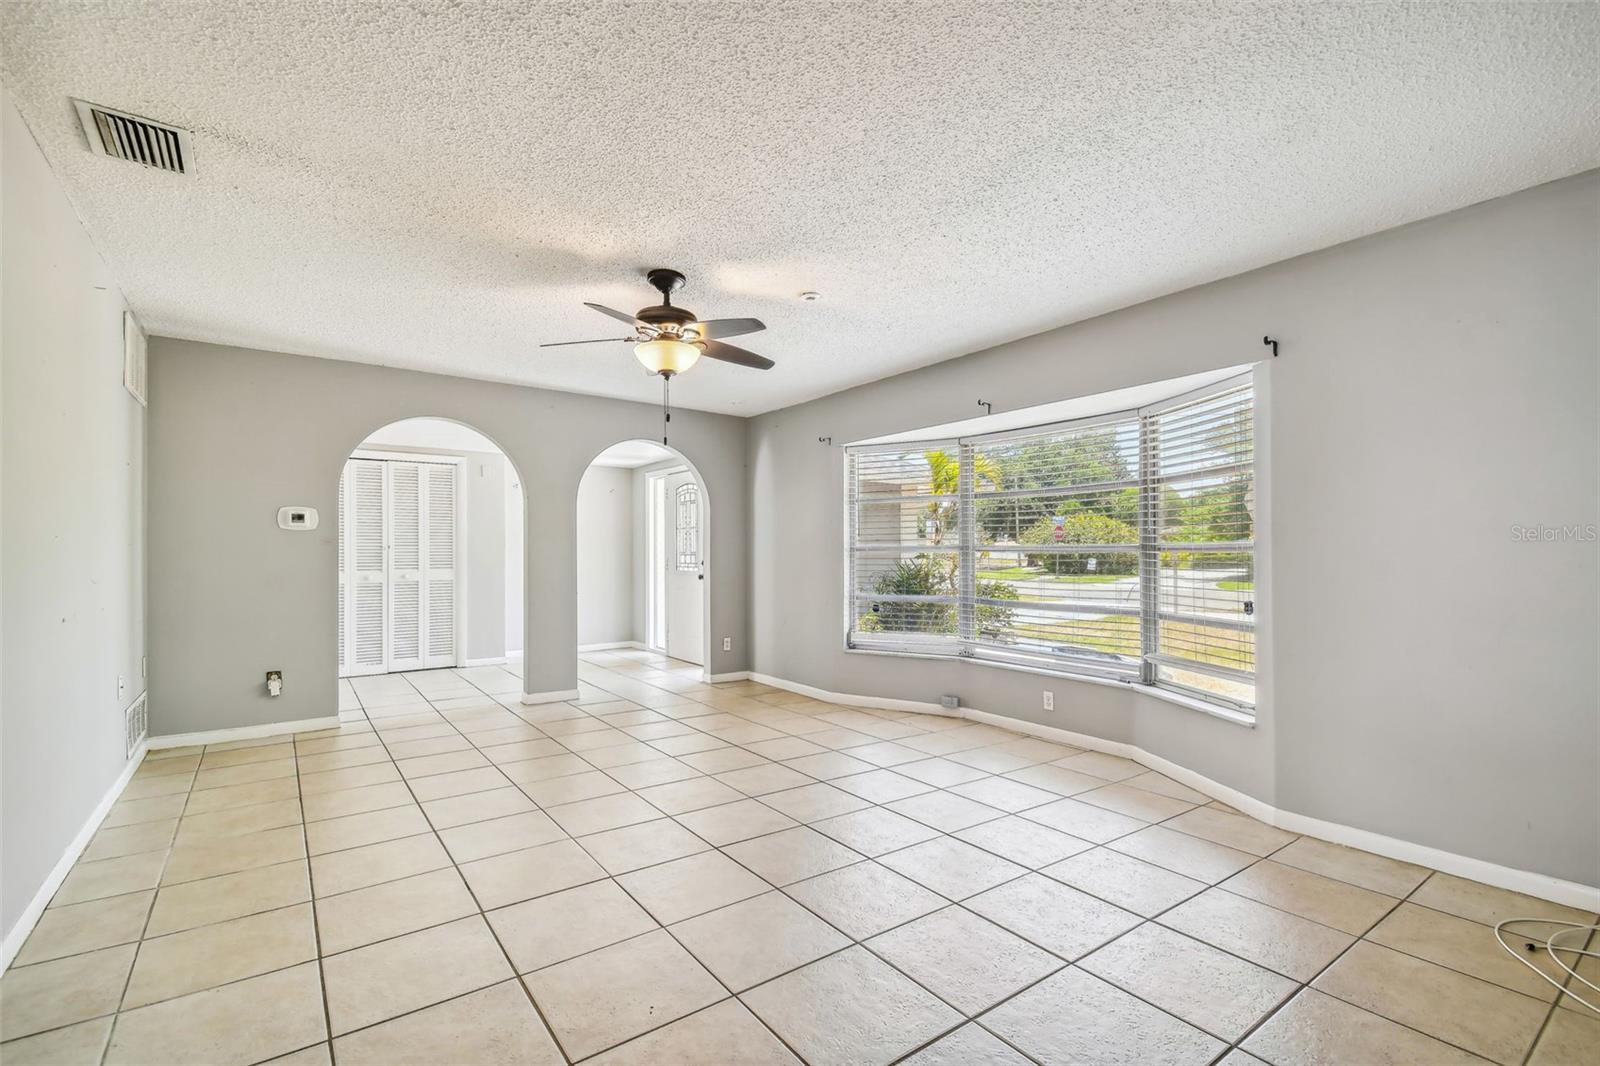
(643, 557)
(430, 553)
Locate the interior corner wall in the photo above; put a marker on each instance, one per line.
(515, 504)
(237, 433)
(72, 470)
(1429, 586)
(606, 529)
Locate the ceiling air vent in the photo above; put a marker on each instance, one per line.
(138, 140)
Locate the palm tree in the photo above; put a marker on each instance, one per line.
(944, 479)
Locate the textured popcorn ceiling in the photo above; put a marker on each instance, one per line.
(439, 185)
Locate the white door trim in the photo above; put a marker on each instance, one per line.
(656, 561)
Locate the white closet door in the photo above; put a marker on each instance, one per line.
(405, 565)
(367, 571)
(439, 546)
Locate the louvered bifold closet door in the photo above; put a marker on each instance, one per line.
(1056, 542)
(405, 566)
(367, 571)
(1201, 486)
(905, 546)
(439, 556)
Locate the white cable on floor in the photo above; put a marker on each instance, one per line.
(1551, 947)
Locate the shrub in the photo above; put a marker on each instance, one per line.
(1083, 527)
(929, 575)
(923, 575)
(993, 620)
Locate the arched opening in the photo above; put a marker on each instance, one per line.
(644, 560)
(430, 559)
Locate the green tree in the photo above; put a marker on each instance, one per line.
(1081, 459)
(944, 479)
(1083, 527)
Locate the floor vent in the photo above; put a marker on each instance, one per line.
(138, 140)
(136, 723)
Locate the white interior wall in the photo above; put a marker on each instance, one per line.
(72, 487)
(607, 528)
(514, 505)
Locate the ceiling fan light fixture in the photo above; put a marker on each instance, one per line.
(667, 355)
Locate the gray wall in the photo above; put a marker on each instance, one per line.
(72, 468)
(236, 433)
(1427, 675)
(606, 533)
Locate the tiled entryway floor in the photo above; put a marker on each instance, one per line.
(668, 872)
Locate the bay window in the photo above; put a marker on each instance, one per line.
(1120, 546)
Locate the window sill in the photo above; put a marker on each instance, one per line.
(1193, 703)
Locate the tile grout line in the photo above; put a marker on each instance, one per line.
(311, 892)
(1550, 1016)
(482, 914)
(760, 800)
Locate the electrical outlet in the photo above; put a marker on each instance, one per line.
(122, 686)
(1049, 700)
(727, 643)
(274, 682)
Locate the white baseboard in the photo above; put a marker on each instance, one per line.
(533, 699)
(513, 655)
(1557, 890)
(612, 645)
(17, 935)
(244, 732)
(493, 660)
(878, 702)
(732, 675)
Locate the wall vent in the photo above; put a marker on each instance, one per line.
(138, 140)
(136, 723)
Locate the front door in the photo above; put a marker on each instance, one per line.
(685, 567)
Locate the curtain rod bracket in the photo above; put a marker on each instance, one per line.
(1270, 343)
(825, 440)
(988, 408)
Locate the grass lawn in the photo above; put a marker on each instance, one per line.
(1119, 635)
(1236, 586)
(1029, 573)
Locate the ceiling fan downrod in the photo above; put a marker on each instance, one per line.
(666, 404)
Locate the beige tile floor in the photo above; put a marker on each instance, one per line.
(663, 871)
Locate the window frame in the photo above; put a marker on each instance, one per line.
(1146, 668)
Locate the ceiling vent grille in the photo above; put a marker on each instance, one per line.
(138, 140)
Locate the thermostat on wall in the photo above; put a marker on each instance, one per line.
(297, 518)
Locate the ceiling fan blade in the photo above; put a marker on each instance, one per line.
(620, 316)
(727, 327)
(597, 340)
(730, 353)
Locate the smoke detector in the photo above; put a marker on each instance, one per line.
(138, 140)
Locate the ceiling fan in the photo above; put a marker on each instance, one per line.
(669, 340)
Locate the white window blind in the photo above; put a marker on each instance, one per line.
(1121, 545)
(905, 538)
